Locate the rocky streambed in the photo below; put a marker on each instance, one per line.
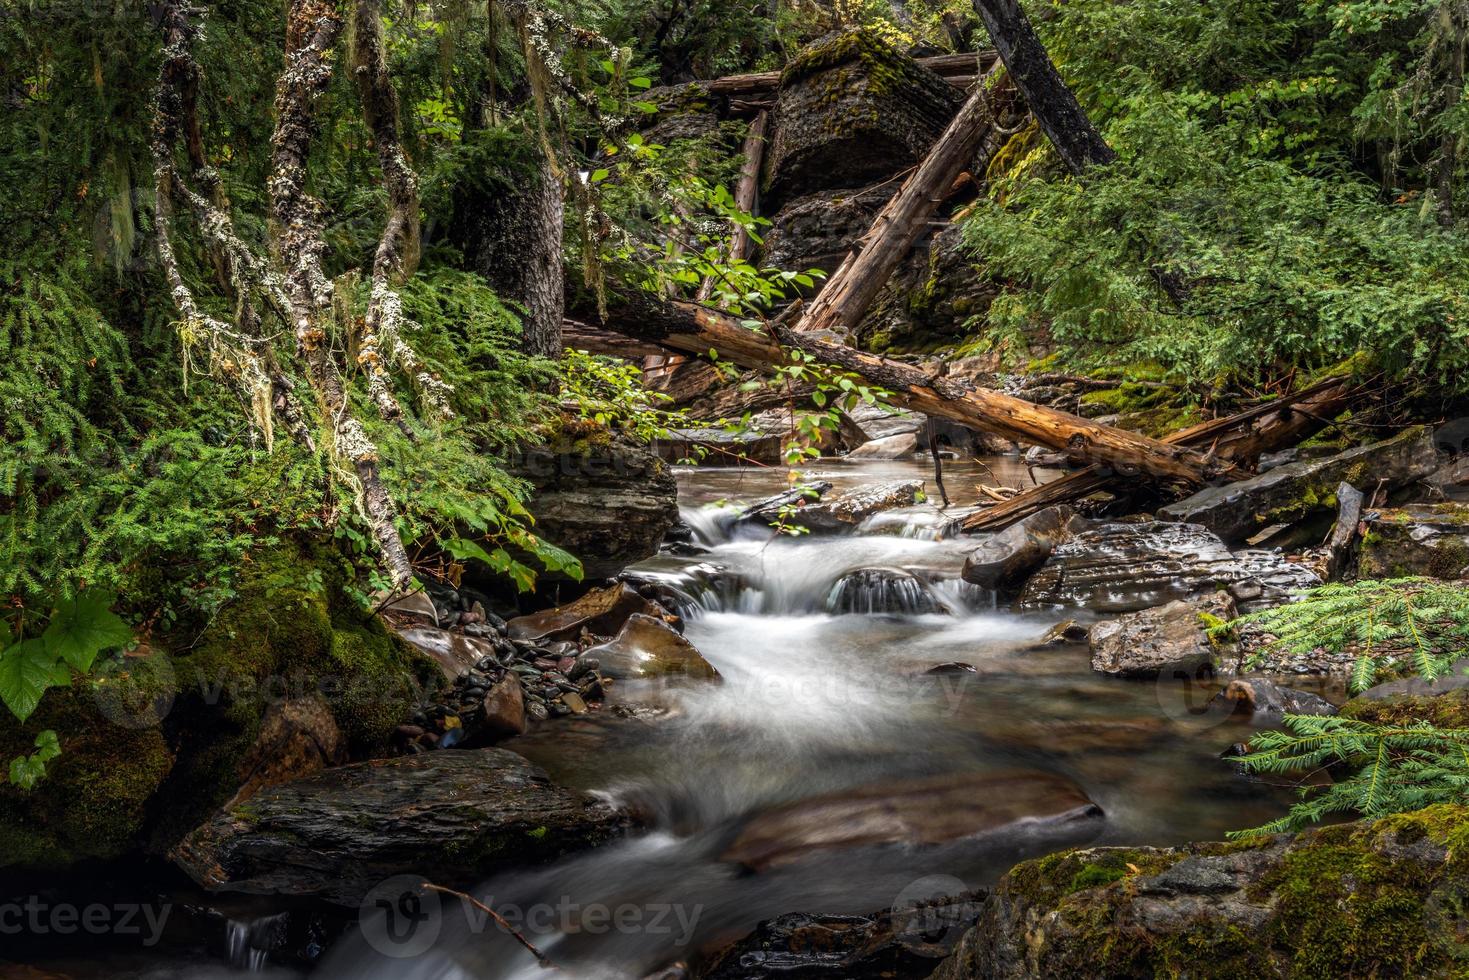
(816, 754)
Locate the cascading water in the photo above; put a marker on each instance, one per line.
(825, 704)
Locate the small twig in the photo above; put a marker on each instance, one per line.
(938, 463)
(541, 957)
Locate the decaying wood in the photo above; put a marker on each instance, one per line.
(851, 290)
(312, 29)
(599, 340)
(1240, 438)
(758, 85)
(1349, 503)
(698, 329)
(1054, 106)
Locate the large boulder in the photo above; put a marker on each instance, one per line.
(934, 810)
(603, 499)
(1124, 567)
(1006, 559)
(1234, 511)
(1420, 539)
(1170, 641)
(289, 674)
(852, 110)
(816, 231)
(939, 297)
(1365, 899)
(899, 446)
(452, 817)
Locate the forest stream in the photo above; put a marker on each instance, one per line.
(813, 704)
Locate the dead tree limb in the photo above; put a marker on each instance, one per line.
(312, 29)
(699, 329)
(1240, 438)
(845, 298)
(1051, 102)
(763, 84)
(746, 196)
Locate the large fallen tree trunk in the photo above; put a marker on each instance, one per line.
(1239, 438)
(756, 85)
(696, 329)
(845, 298)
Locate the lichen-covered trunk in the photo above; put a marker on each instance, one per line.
(514, 241)
(1054, 106)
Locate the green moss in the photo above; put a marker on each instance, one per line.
(1447, 710)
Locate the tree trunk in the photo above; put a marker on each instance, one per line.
(514, 240)
(698, 329)
(956, 68)
(1061, 117)
(1240, 438)
(844, 300)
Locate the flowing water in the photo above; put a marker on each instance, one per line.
(823, 693)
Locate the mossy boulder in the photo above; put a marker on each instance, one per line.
(1296, 490)
(1420, 539)
(1447, 710)
(852, 109)
(156, 740)
(1388, 898)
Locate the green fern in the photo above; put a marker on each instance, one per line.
(1415, 623)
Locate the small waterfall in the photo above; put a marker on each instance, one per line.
(711, 525)
(248, 943)
(881, 590)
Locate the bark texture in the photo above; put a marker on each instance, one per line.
(1054, 106)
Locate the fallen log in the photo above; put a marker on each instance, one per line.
(847, 295)
(599, 340)
(699, 329)
(763, 84)
(1240, 438)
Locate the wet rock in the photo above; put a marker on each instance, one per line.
(449, 816)
(415, 606)
(297, 737)
(1420, 539)
(1456, 678)
(1265, 702)
(606, 501)
(1170, 640)
(902, 942)
(1006, 559)
(1288, 493)
(951, 667)
(899, 446)
(852, 110)
(1063, 633)
(880, 422)
(921, 811)
(931, 300)
(1260, 907)
(600, 611)
(647, 647)
(1447, 708)
(845, 511)
(504, 709)
(769, 510)
(882, 590)
(1124, 567)
(1452, 479)
(455, 653)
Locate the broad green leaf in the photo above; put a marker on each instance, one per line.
(26, 771)
(84, 626)
(599, 175)
(25, 674)
(557, 559)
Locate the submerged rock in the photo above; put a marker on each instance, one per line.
(899, 942)
(1006, 559)
(1363, 899)
(1420, 539)
(935, 810)
(647, 647)
(1288, 493)
(601, 611)
(455, 653)
(449, 816)
(1266, 702)
(1171, 640)
(1125, 567)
